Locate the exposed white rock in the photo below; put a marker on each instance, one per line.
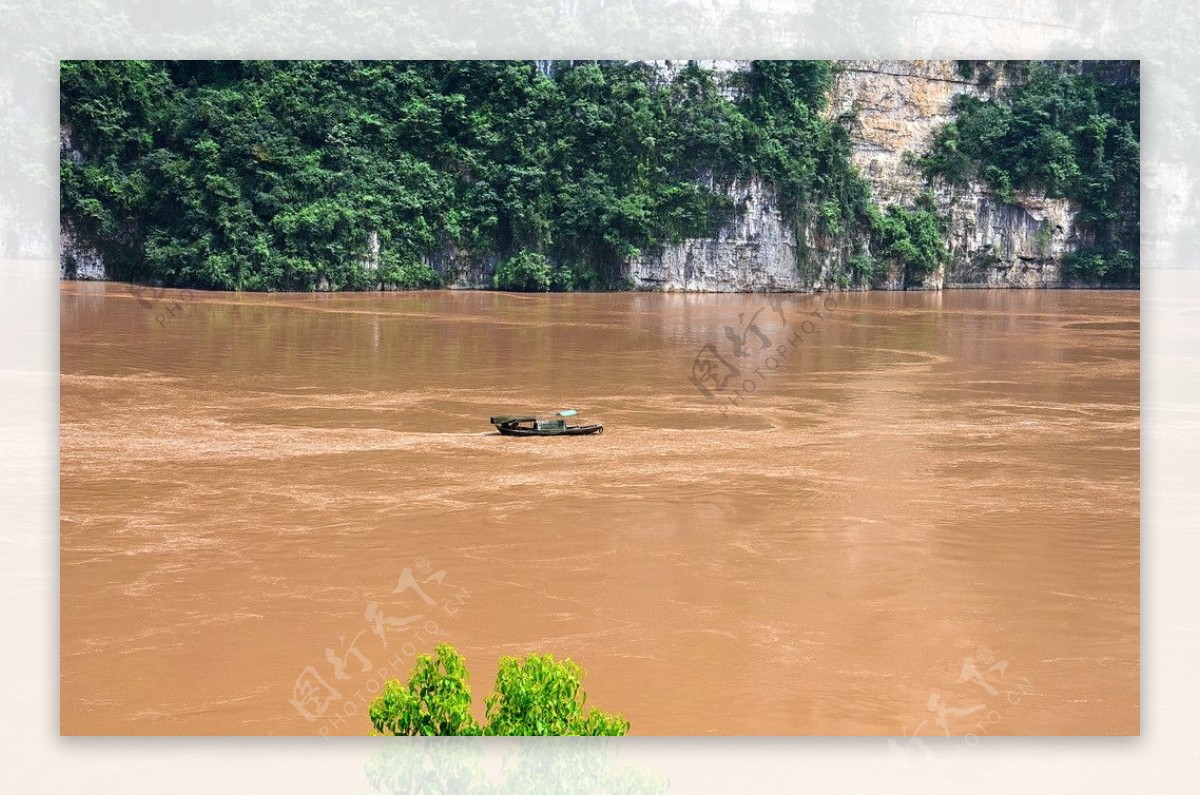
(371, 261)
(460, 270)
(894, 110)
(668, 70)
(754, 252)
(77, 261)
(998, 244)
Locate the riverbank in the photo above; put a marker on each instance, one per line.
(659, 287)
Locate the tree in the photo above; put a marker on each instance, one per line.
(1068, 130)
(534, 696)
(542, 696)
(436, 701)
(525, 271)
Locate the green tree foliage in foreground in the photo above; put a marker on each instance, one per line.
(534, 696)
(1071, 132)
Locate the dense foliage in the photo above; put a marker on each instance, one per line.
(912, 237)
(534, 696)
(526, 270)
(281, 175)
(1070, 131)
(436, 700)
(289, 175)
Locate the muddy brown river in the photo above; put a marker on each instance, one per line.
(883, 513)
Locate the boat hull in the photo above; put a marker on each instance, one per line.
(569, 431)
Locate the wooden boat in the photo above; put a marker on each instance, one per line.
(535, 426)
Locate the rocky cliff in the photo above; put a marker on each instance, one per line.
(76, 260)
(893, 110)
(756, 251)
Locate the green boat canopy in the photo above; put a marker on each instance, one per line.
(502, 419)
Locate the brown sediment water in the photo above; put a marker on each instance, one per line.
(905, 513)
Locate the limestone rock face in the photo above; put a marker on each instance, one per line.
(460, 270)
(997, 244)
(754, 252)
(668, 70)
(894, 110)
(77, 261)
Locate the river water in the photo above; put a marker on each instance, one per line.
(882, 513)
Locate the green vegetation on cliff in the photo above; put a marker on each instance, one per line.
(1068, 131)
(298, 175)
(280, 175)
